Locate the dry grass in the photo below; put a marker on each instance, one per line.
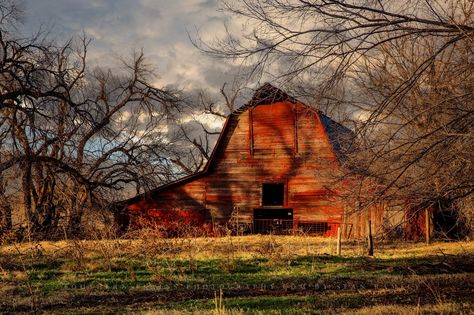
(258, 274)
(440, 308)
(240, 246)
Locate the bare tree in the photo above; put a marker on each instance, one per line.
(313, 36)
(403, 69)
(421, 145)
(200, 138)
(77, 136)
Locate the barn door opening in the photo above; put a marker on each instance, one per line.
(272, 220)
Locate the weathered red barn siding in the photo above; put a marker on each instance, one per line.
(278, 154)
(281, 142)
(359, 221)
(181, 204)
(415, 222)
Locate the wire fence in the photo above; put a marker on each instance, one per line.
(285, 226)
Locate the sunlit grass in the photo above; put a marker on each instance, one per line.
(258, 274)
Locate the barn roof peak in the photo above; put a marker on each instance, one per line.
(268, 94)
(265, 94)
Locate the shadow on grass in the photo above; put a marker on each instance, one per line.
(310, 283)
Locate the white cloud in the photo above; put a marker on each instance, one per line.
(210, 121)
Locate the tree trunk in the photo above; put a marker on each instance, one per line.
(76, 212)
(38, 197)
(5, 218)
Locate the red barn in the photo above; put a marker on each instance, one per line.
(273, 169)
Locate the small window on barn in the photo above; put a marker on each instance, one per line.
(272, 194)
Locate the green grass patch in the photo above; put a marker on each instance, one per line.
(281, 282)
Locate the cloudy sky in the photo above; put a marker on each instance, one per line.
(159, 27)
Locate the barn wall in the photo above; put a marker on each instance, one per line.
(183, 203)
(263, 146)
(359, 221)
(281, 143)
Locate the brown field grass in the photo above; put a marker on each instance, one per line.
(242, 246)
(257, 275)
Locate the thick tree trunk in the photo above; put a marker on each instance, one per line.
(5, 209)
(39, 201)
(5, 218)
(76, 212)
(26, 187)
(75, 225)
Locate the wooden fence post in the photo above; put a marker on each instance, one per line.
(370, 240)
(339, 231)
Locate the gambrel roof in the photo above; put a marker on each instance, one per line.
(266, 94)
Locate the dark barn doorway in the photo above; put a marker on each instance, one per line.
(272, 220)
(273, 194)
(447, 224)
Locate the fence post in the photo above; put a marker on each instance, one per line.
(370, 240)
(339, 230)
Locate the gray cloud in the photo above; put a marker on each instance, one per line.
(118, 27)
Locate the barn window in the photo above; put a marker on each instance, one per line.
(273, 194)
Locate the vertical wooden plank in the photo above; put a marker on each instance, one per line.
(381, 211)
(345, 222)
(205, 193)
(339, 232)
(428, 226)
(251, 140)
(295, 124)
